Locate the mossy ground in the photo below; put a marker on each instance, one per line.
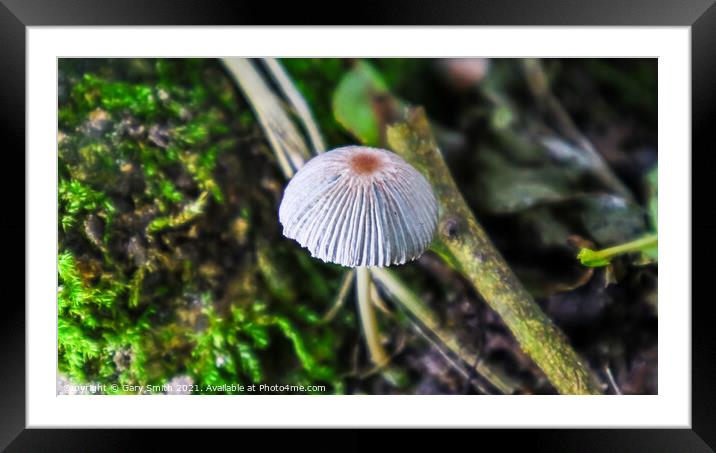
(171, 262)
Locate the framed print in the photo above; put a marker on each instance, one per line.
(426, 218)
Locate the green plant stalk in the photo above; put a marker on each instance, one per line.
(463, 243)
(590, 257)
(367, 318)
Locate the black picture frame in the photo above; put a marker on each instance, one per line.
(700, 15)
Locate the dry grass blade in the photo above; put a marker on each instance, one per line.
(346, 285)
(280, 130)
(297, 101)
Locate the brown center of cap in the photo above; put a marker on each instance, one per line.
(365, 163)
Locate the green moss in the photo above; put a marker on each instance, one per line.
(76, 199)
(163, 192)
(93, 328)
(93, 92)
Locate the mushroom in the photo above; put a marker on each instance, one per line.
(360, 207)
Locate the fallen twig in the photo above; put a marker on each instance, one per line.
(463, 243)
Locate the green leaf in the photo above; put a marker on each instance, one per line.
(354, 102)
(610, 219)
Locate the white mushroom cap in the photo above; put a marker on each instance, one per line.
(360, 206)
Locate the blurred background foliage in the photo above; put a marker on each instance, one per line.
(171, 263)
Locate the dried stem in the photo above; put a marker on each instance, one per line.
(282, 134)
(288, 89)
(346, 285)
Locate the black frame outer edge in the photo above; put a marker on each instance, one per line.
(12, 226)
(15, 15)
(396, 12)
(703, 165)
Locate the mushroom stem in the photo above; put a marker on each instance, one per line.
(367, 317)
